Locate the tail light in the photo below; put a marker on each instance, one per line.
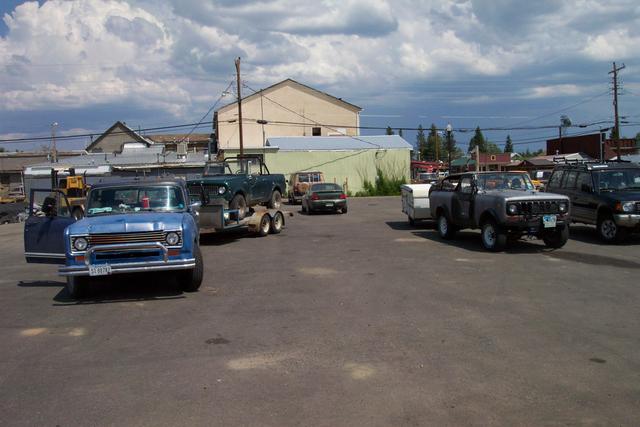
(314, 196)
(343, 196)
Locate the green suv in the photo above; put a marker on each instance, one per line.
(604, 194)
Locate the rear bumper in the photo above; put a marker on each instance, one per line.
(328, 205)
(627, 220)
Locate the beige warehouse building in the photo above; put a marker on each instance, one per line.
(287, 108)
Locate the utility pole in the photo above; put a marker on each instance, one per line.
(615, 107)
(239, 106)
(54, 153)
(449, 130)
(477, 150)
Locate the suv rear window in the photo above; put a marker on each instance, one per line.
(569, 180)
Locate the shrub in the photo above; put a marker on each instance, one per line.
(386, 184)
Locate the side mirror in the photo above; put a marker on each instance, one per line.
(194, 206)
(586, 188)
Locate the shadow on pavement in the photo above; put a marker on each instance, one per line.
(588, 234)
(405, 226)
(471, 241)
(41, 284)
(124, 288)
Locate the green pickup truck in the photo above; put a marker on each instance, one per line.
(238, 183)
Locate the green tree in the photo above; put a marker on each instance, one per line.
(390, 131)
(492, 148)
(2, 150)
(638, 139)
(421, 143)
(455, 151)
(508, 146)
(434, 144)
(477, 140)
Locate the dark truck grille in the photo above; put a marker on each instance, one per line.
(124, 238)
(538, 207)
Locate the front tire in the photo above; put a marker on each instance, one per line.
(77, 286)
(276, 200)
(446, 230)
(344, 209)
(191, 280)
(239, 203)
(557, 238)
(609, 231)
(493, 239)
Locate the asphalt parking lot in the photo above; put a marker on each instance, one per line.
(341, 320)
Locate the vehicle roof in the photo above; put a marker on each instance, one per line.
(138, 182)
(594, 166)
(483, 173)
(299, 172)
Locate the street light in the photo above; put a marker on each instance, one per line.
(449, 130)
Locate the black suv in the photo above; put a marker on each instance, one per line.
(604, 194)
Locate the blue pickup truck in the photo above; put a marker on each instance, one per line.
(130, 227)
(238, 183)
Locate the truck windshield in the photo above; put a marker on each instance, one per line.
(617, 180)
(249, 166)
(505, 181)
(117, 200)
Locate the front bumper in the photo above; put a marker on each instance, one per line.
(627, 220)
(128, 266)
(532, 225)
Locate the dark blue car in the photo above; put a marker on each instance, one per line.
(132, 227)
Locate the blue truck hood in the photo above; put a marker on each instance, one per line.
(128, 223)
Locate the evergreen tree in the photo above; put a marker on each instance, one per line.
(477, 140)
(508, 146)
(492, 148)
(638, 140)
(455, 151)
(390, 131)
(421, 143)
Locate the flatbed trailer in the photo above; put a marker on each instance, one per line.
(261, 221)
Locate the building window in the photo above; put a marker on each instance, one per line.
(315, 132)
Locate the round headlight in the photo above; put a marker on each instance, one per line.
(628, 207)
(80, 243)
(512, 209)
(221, 190)
(562, 207)
(172, 238)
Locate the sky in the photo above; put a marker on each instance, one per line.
(490, 63)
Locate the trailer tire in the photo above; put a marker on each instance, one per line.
(277, 222)
(265, 225)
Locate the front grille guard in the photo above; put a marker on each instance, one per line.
(120, 247)
(538, 207)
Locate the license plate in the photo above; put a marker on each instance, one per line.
(328, 204)
(549, 221)
(99, 270)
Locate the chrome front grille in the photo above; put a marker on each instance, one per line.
(124, 238)
(538, 207)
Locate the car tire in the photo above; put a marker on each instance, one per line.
(277, 222)
(276, 200)
(303, 208)
(264, 227)
(344, 209)
(446, 230)
(609, 231)
(239, 203)
(557, 238)
(493, 239)
(412, 221)
(77, 286)
(191, 280)
(77, 214)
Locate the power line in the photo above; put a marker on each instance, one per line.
(569, 107)
(207, 113)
